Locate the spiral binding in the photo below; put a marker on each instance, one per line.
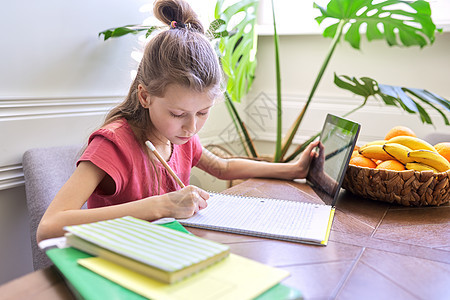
(263, 198)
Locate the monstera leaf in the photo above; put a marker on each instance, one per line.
(409, 99)
(236, 44)
(236, 47)
(398, 22)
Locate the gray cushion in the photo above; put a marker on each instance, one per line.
(45, 171)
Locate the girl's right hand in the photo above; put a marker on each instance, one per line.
(186, 202)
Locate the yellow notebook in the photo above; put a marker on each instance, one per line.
(234, 277)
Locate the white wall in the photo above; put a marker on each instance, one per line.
(58, 79)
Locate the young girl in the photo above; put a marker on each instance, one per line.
(168, 103)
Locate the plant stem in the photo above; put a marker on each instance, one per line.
(292, 132)
(356, 108)
(237, 126)
(277, 155)
(248, 140)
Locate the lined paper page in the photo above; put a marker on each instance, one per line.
(273, 218)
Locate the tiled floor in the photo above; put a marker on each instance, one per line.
(376, 250)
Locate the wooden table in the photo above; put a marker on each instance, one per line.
(376, 251)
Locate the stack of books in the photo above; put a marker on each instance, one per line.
(161, 253)
(129, 258)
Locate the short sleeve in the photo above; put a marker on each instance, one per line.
(106, 154)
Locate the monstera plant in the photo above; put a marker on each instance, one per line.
(399, 23)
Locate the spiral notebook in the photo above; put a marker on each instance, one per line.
(298, 221)
(264, 217)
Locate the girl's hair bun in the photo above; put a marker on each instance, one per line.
(179, 11)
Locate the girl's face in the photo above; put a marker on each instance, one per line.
(179, 114)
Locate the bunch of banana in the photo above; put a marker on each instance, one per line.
(414, 153)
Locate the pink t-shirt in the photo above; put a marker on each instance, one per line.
(115, 150)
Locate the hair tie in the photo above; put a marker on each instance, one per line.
(175, 24)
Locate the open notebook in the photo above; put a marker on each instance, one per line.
(299, 220)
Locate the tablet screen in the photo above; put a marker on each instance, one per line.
(328, 167)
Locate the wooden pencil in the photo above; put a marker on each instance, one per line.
(163, 161)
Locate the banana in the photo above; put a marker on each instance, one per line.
(430, 158)
(413, 143)
(375, 152)
(420, 167)
(377, 142)
(398, 151)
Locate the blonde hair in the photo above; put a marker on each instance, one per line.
(180, 55)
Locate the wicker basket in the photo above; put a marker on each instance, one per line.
(408, 188)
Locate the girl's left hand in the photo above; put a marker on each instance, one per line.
(301, 166)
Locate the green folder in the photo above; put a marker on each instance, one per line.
(86, 284)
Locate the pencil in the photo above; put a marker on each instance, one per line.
(168, 168)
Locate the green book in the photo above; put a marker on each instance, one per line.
(86, 284)
(83, 283)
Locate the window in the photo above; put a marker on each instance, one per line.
(297, 16)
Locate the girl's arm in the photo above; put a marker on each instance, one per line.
(65, 208)
(237, 168)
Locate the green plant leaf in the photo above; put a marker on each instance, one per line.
(364, 87)
(388, 100)
(217, 29)
(409, 99)
(403, 23)
(236, 48)
(241, 129)
(237, 44)
(278, 149)
(127, 29)
(397, 93)
(430, 97)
